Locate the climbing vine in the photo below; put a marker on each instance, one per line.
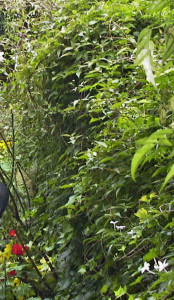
(86, 148)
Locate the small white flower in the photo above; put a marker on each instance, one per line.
(113, 222)
(130, 232)
(145, 268)
(160, 266)
(1, 56)
(120, 227)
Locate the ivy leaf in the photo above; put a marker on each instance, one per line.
(143, 215)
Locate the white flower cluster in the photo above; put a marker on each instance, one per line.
(158, 266)
(116, 226)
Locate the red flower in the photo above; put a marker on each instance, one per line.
(12, 232)
(18, 249)
(11, 273)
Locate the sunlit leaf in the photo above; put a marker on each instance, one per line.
(168, 177)
(159, 5)
(138, 158)
(143, 215)
(145, 54)
(120, 292)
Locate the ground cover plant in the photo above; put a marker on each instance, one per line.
(86, 149)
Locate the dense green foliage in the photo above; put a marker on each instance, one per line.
(89, 138)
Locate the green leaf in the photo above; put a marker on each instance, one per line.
(82, 270)
(92, 22)
(143, 39)
(65, 186)
(158, 137)
(104, 289)
(47, 249)
(94, 120)
(131, 297)
(138, 158)
(143, 215)
(147, 64)
(159, 5)
(145, 54)
(120, 292)
(168, 177)
(150, 255)
(169, 37)
(35, 298)
(102, 144)
(138, 280)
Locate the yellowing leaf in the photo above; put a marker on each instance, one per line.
(82, 270)
(144, 199)
(143, 215)
(153, 195)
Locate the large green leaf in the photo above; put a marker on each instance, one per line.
(168, 177)
(159, 5)
(138, 157)
(169, 41)
(158, 137)
(147, 64)
(145, 54)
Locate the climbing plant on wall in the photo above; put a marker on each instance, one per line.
(88, 113)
